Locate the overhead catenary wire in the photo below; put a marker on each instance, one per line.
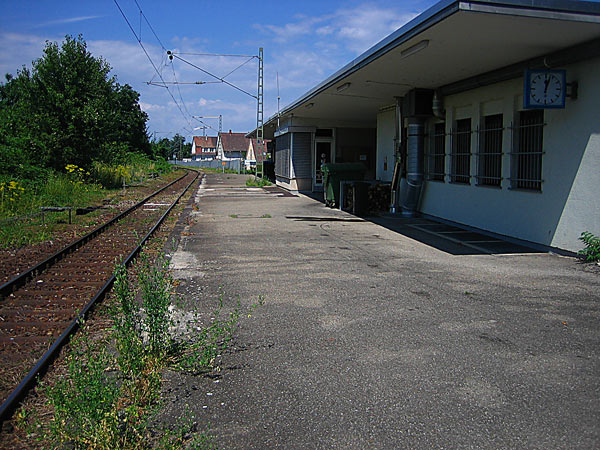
(179, 90)
(205, 124)
(171, 55)
(149, 26)
(154, 83)
(239, 67)
(214, 54)
(152, 62)
(210, 74)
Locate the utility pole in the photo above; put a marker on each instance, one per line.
(220, 117)
(260, 143)
(278, 99)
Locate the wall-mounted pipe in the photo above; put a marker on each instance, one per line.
(395, 188)
(411, 186)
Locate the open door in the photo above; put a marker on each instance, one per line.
(322, 155)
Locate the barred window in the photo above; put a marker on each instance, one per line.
(490, 151)
(461, 152)
(528, 150)
(437, 153)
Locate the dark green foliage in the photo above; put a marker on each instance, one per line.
(67, 110)
(166, 148)
(591, 252)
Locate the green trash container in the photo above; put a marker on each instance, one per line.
(334, 173)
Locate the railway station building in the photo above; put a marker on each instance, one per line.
(479, 113)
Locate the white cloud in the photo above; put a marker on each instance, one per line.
(151, 107)
(304, 51)
(366, 25)
(66, 20)
(18, 50)
(304, 26)
(356, 29)
(325, 31)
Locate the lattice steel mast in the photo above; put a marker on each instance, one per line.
(260, 150)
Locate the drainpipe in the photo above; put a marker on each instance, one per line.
(397, 162)
(411, 186)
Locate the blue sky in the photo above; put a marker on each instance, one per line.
(303, 41)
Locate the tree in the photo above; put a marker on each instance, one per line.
(166, 148)
(162, 149)
(69, 110)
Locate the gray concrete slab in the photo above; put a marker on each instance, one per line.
(372, 339)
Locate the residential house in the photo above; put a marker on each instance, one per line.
(204, 148)
(232, 146)
(251, 154)
(479, 113)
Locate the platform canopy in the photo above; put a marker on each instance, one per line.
(453, 46)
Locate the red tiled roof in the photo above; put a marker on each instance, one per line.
(205, 141)
(234, 142)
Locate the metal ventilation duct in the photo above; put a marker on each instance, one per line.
(411, 186)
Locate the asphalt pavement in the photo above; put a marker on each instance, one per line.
(375, 338)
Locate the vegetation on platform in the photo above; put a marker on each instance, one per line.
(257, 182)
(591, 252)
(109, 397)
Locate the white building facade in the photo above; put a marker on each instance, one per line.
(483, 114)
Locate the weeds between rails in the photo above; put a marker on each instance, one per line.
(109, 396)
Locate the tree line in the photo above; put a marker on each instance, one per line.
(68, 109)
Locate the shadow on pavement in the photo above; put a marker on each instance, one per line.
(449, 238)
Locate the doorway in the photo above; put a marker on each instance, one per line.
(322, 155)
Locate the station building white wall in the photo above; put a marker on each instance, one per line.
(569, 200)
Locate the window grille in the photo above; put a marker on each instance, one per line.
(461, 152)
(527, 153)
(437, 153)
(490, 151)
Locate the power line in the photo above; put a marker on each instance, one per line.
(210, 74)
(205, 124)
(214, 54)
(239, 67)
(154, 83)
(151, 62)
(150, 26)
(179, 90)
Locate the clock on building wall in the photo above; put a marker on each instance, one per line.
(545, 89)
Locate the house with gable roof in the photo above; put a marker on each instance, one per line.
(251, 154)
(232, 146)
(204, 148)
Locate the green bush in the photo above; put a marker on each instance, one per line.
(21, 197)
(111, 176)
(258, 182)
(591, 252)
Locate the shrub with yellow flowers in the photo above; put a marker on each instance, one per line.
(76, 174)
(10, 192)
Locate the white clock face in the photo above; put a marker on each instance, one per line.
(545, 89)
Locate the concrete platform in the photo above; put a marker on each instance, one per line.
(372, 338)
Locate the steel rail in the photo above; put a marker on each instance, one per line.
(10, 404)
(22, 278)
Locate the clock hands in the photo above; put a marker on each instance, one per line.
(545, 89)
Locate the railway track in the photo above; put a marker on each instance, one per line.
(41, 307)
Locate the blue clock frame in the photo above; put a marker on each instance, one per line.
(529, 103)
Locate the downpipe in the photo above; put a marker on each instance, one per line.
(412, 185)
